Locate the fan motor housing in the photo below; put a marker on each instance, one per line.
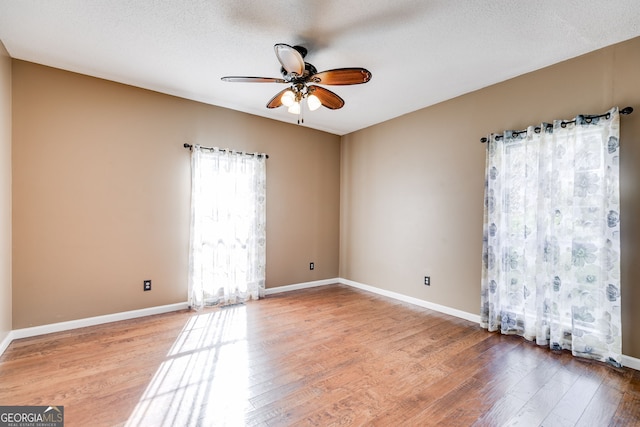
(309, 70)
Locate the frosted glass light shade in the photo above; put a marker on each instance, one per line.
(288, 98)
(294, 108)
(313, 102)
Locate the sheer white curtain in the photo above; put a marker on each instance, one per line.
(227, 246)
(551, 252)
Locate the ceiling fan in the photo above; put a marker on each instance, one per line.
(303, 79)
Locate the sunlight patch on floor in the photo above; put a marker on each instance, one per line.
(204, 379)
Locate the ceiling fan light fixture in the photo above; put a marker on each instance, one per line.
(313, 102)
(288, 98)
(294, 108)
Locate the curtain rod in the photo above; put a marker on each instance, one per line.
(266, 156)
(625, 111)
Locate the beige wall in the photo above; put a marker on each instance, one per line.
(101, 182)
(5, 193)
(101, 188)
(412, 187)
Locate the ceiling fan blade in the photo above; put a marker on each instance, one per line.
(242, 79)
(326, 97)
(290, 59)
(342, 76)
(276, 101)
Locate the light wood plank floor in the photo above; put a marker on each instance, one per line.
(325, 356)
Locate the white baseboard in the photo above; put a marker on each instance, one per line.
(304, 285)
(631, 362)
(628, 361)
(415, 301)
(92, 321)
(5, 342)
(373, 289)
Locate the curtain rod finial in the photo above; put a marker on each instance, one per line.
(483, 139)
(626, 110)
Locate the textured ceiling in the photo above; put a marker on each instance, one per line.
(420, 52)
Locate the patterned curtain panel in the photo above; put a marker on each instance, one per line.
(551, 251)
(228, 227)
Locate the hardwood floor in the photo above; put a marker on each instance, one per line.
(324, 356)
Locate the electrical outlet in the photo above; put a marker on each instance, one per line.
(427, 280)
(312, 266)
(147, 285)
